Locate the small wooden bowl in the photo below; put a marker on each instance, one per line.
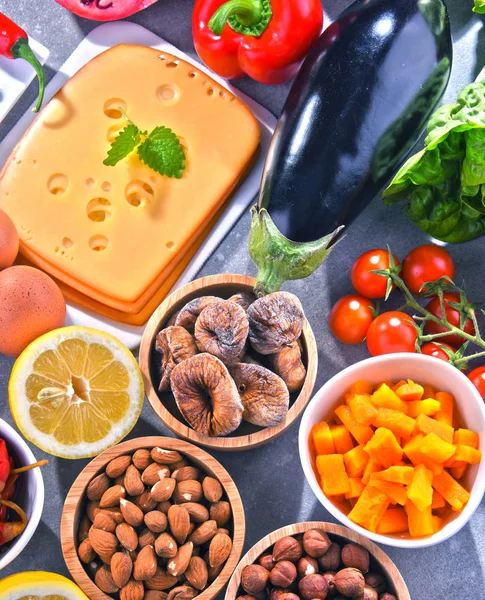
(337, 533)
(246, 436)
(75, 502)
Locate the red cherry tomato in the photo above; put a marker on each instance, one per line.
(453, 317)
(426, 263)
(391, 332)
(350, 318)
(431, 349)
(477, 377)
(364, 281)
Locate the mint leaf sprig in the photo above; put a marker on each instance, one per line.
(160, 150)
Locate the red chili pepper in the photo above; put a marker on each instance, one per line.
(14, 43)
(265, 39)
(4, 464)
(7, 494)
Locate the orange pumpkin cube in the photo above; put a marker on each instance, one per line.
(420, 522)
(371, 467)
(447, 401)
(369, 508)
(413, 451)
(322, 438)
(438, 501)
(465, 437)
(356, 488)
(395, 420)
(384, 448)
(459, 471)
(333, 475)
(362, 433)
(410, 391)
(361, 387)
(384, 397)
(362, 409)
(437, 523)
(454, 493)
(355, 461)
(403, 475)
(423, 407)
(427, 425)
(395, 492)
(428, 391)
(464, 454)
(341, 439)
(394, 520)
(437, 449)
(420, 490)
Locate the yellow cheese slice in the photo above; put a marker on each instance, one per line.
(113, 232)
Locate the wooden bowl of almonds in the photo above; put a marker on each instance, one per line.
(316, 561)
(225, 369)
(153, 518)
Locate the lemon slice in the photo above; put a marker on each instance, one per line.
(39, 585)
(75, 391)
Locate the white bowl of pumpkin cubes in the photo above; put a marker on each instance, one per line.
(392, 447)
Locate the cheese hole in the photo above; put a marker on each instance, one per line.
(170, 245)
(89, 181)
(210, 92)
(106, 186)
(98, 210)
(67, 242)
(173, 64)
(139, 193)
(57, 184)
(168, 93)
(98, 243)
(113, 107)
(114, 131)
(192, 74)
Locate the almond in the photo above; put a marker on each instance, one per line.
(179, 465)
(91, 509)
(188, 491)
(84, 529)
(146, 538)
(221, 513)
(141, 459)
(198, 512)
(182, 592)
(165, 457)
(205, 532)
(132, 481)
(179, 522)
(186, 473)
(164, 506)
(154, 595)
(131, 513)
(197, 573)
(112, 496)
(133, 590)
(222, 530)
(212, 489)
(163, 490)
(119, 480)
(114, 513)
(179, 563)
(118, 466)
(145, 501)
(154, 473)
(127, 536)
(219, 549)
(97, 487)
(103, 543)
(86, 552)
(161, 580)
(104, 522)
(121, 568)
(166, 546)
(145, 565)
(156, 521)
(104, 580)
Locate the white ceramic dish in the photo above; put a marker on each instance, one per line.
(421, 368)
(31, 497)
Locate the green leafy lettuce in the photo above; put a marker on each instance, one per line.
(444, 184)
(479, 6)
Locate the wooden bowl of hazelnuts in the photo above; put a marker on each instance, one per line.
(153, 518)
(316, 561)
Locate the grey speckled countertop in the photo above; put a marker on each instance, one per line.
(270, 479)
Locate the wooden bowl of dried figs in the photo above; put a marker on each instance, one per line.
(227, 370)
(316, 560)
(153, 518)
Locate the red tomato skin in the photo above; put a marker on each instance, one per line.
(350, 319)
(453, 317)
(477, 377)
(431, 349)
(426, 263)
(391, 332)
(366, 283)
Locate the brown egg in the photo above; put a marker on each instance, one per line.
(9, 241)
(31, 304)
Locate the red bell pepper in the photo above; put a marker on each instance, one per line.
(265, 39)
(14, 43)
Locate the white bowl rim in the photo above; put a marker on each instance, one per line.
(450, 528)
(38, 503)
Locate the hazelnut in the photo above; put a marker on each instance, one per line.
(254, 579)
(315, 543)
(387, 596)
(330, 561)
(313, 587)
(350, 582)
(329, 576)
(369, 593)
(287, 548)
(289, 596)
(276, 593)
(266, 561)
(355, 556)
(377, 581)
(283, 573)
(306, 566)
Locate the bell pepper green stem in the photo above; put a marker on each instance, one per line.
(249, 17)
(21, 49)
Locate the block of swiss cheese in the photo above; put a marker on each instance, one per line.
(116, 234)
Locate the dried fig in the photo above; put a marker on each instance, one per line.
(289, 366)
(244, 299)
(175, 344)
(190, 312)
(264, 395)
(206, 395)
(222, 330)
(275, 322)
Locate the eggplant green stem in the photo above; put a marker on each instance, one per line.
(249, 17)
(21, 49)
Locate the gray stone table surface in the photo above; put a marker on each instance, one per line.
(270, 479)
